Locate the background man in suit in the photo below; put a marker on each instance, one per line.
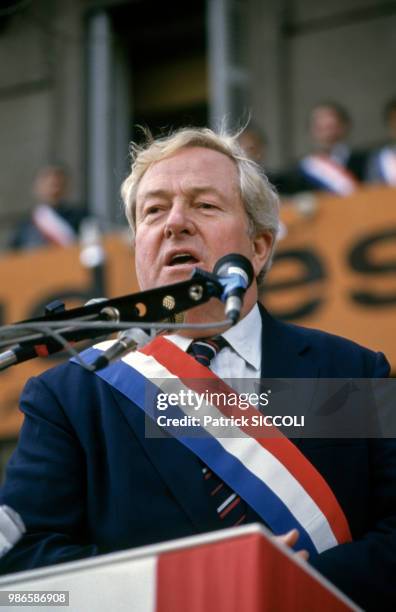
(254, 143)
(53, 220)
(332, 165)
(85, 477)
(382, 162)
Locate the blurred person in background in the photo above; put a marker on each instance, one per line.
(382, 162)
(331, 165)
(254, 143)
(52, 220)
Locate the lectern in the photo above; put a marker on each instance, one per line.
(233, 570)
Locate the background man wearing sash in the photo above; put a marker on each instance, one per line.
(52, 220)
(331, 165)
(86, 479)
(382, 162)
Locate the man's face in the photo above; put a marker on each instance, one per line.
(50, 186)
(326, 127)
(189, 213)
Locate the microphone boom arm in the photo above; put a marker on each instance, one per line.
(145, 306)
(159, 304)
(228, 282)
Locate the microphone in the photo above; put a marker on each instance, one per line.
(129, 340)
(18, 353)
(12, 529)
(236, 275)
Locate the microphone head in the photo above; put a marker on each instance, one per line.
(234, 263)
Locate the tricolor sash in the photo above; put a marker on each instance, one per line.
(270, 473)
(328, 174)
(387, 165)
(52, 226)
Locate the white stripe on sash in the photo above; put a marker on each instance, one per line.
(56, 229)
(329, 173)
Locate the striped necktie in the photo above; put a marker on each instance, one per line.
(230, 508)
(205, 349)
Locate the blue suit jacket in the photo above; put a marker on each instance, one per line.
(86, 480)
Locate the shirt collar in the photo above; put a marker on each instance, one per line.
(244, 338)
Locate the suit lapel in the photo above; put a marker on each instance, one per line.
(287, 354)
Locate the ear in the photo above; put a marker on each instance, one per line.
(262, 244)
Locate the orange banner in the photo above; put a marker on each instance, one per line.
(336, 267)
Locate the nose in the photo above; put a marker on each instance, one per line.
(179, 221)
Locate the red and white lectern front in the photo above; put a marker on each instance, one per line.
(232, 570)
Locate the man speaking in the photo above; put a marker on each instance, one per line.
(87, 480)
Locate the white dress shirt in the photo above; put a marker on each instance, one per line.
(242, 359)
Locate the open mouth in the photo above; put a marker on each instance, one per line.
(182, 258)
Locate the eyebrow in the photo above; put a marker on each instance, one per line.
(194, 190)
